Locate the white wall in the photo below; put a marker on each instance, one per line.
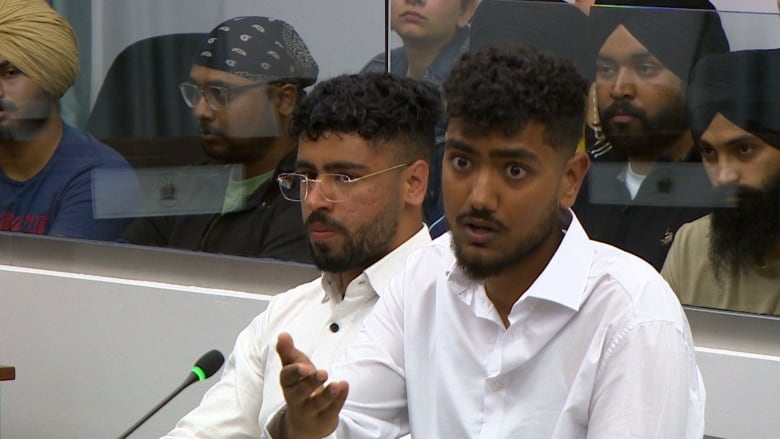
(93, 354)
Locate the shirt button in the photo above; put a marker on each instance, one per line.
(495, 386)
(334, 327)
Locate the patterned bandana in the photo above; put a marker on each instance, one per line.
(259, 48)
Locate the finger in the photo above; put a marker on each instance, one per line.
(331, 399)
(328, 417)
(287, 351)
(296, 373)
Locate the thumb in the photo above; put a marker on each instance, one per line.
(287, 351)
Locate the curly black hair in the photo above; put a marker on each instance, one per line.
(383, 109)
(500, 89)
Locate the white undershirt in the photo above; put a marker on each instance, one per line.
(632, 180)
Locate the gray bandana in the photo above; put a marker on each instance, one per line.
(259, 48)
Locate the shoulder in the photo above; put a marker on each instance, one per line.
(631, 288)
(375, 64)
(694, 231)
(296, 299)
(79, 143)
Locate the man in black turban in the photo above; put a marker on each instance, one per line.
(639, 193)
(245, 81)
(734, 102)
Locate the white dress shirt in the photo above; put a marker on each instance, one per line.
(321, 324)
(597, 347)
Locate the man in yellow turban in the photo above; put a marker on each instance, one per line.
(46, 166)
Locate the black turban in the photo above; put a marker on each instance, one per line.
(259, 48)
(744, 87)
(557, 28)
(677, 32)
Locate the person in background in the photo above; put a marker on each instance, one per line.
(245, 81)
(514, 324)
(730, 259)
(360, 176)
(434, 34)
(641, 191)
(47, 167)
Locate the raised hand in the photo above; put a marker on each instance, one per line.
(312, 408)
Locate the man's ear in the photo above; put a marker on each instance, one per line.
(574, 172)
(285, 99)
(467, 12)
(415, 184)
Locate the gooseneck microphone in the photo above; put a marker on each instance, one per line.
(205, 367)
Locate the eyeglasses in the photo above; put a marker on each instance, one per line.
(217, 97)
(335, 188)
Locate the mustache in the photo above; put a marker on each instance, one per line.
(7, 105)
(205, 129)
(730, 191)
(483, 215)
(321, 217)
(623, 107)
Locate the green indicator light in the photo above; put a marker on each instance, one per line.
(199, 373)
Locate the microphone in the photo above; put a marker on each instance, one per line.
(205, 367)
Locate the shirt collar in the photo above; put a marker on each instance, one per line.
(382, 271)
(562, 281)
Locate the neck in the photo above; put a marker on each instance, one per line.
(642, 164)
(505, 289)
(405, 232)
(422, 53)
(279, 148)
(22, 160)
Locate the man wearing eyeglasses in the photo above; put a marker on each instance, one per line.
(361, 174)
(245, 82)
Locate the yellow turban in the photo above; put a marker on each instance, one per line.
(40, 43)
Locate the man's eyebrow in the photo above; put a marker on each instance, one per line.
(461, 146)
(517, 153)
(333, 166)
(217, 82)
(5, 64)
(634, 56)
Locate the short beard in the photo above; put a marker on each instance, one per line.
(364, 247)
(478, 268)
(742, 236)
(657, 133)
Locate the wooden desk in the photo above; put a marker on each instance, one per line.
(7, 373)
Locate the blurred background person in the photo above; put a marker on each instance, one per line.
(47, 167)
(434, 34)
(645, 180)
(245, 82)
(730, 259)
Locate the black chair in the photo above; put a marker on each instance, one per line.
(139, 110)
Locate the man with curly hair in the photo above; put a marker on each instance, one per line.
(513, 324)
(360, 176)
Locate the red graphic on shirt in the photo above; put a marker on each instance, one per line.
(25, 223)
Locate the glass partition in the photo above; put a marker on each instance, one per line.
(193, 175)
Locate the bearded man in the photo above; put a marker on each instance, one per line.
(48, 168)
(639, 193)
(735, 117)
